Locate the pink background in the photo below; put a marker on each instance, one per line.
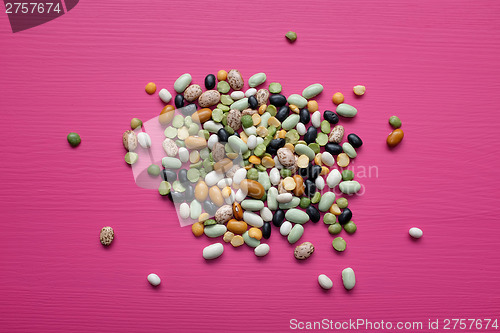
(433, 63)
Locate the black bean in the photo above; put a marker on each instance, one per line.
(354, 140)
(223, 135)
(266, 230)
(345, 216)
(210, 207)
(304, 172)
(252, 102)
(331, 117)
(179, 101)
(278, 218)
(277, 143)
(314, 171)
(313, 213)
(189, 193)
(210, 81)
(271, 150)
(177, 196)
(311, 135)
(183, 176)
(309, 187)
(282, 113)
(305, 116)
(169, 175)
(277, 100)
(333, 148)
(187, 111)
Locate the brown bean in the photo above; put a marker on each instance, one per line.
(166, 115)
(201, 191)
(395, 137)
(253, 188)
(237, 211)
(195, 142)
(202, 115)
(237, 227)
(216, 195)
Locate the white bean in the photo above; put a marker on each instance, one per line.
(253, 219)
(154, 279)
(261, 250)
(252, 142)
(416, 232)
(250, 92)
(285, 228)
(165, 95)
(239, 175)
(320, 183)
(325, 282)
(284, 197)
(184, 210)
(183, 154)
(334, 178)
(266, 214)
(213, 251)
(274, 176)
(237, 95)
(144, 140)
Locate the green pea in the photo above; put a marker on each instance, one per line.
(316, 198)
(395, 122)
(196, 165)
(224, 119)
(342, 203)
(223, 107)
(246, 162)
(204, 153)
(274, 88)
(253, 174)
(188, 121)
(154, 170)
(247, 121)
(209, 222)
(315, 148)
(350, 227)
(229, 130)
(272, 110)
(304, 202)
(271, 130)
(292, 136)
(334, 229)
(285, 173)
(322, 139)
(247, 154)
(193, 129)
(223, 87)
(291, 36)
(329, 218)
(267, 140)
(135, 123)
(178, 121)
(325, 127)
(226, 100)
(74, 139)
(178, 187)
(208, 165)
(164, 188)
(259, 150)
(203, 173)
(204, 134)
(131, 157)
(339, 244)
(347, 175)
(193, 175)
(260, 167)
(217, 115)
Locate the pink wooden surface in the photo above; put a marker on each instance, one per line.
(433, 63)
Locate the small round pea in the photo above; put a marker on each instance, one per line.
(246, 121)
(275, 88)
(342, 203)
(339, 244)
(154, 170)
(74, 139)
(334, 229)
(291, 36)
(350, 227)
(135, 123)
(304, 202)
(347, 175)
(395, 122)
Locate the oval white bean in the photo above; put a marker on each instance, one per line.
(154, 279)
(261, 250)
(416, 232)
(213, 251)
(285, 228)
